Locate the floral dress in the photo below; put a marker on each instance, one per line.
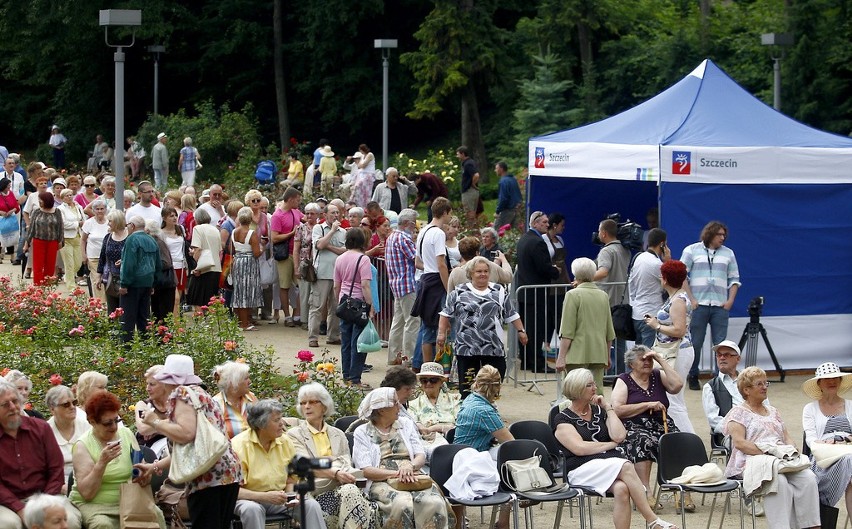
(424, 509)
(227, 470)
(644, 430)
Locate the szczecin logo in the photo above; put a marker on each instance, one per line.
(539, 157)
(681, 162)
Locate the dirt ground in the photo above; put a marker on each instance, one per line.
(523, 402)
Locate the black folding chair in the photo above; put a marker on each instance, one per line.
(343, 423)
(543, 433)
(440, 470)
(523, 449)
(679, 450)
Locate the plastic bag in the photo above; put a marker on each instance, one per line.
(368, 340)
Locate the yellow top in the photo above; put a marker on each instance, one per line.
(296, 171)
(263, 471)
(321, 440)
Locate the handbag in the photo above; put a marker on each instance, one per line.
(136, 507)
(826, 454)
(526, 474)
(353, 310)
(191, 263)
(206, 262)
(192, 459)
(225, 280)
(622, 314)
(308, 271)
(281, 250)
(111, 283)
(9, 224)
(423, 482)
(668, 350)
(268, 270)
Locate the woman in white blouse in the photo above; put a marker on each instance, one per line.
(72, 220)
(67, 425)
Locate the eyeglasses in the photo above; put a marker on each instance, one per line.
(88, 185)
(114, 422)
(720, 354)
(255, 200)
(309, 403)
(761, 384)
(67, 405)
(430, 380)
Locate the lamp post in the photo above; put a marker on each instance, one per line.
(386, 45)
(119, 17)
(781, 40)
(156, 50)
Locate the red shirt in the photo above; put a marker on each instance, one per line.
(31, 462)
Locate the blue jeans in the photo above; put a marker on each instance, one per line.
(644, 334)
(717, 317)
(352, 362)
(616, 357)
(417, 356)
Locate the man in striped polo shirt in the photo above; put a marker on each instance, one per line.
(714, 279)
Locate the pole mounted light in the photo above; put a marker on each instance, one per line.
(119, 18)
(386, 45)
(777, 41)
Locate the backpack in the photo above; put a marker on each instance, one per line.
(266, 171)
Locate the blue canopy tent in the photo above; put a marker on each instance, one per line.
(706, 149)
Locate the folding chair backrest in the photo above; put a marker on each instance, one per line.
(806, 450)
(679, 450)
(521, 449)
(541, 432)
(350, 437)
(441, 464)
(342, 423)
(551, 415)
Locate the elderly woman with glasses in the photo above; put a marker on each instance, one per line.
(25, 386)
(265, 452)
(303, 250)
(388, 449)
(343, 505)
(435, 410)
(87, 384)
(156, 403)
(234, 395)
(102, 462)
(67, 425)
(756, 428)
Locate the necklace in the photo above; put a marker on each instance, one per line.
(383, 432)
(650, 389)
(581, 413)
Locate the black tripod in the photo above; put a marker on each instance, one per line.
(749, 338)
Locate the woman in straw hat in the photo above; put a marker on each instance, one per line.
(436, 408)
(829, 420)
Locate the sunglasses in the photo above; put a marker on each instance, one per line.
(431, 380)
(255, 200)
(88, 185)
(114, 422)
(68, 405)
(725, 355)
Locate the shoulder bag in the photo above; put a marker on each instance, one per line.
(524, 475)
(281, 250)
(351, 309)
(622, 314)
(423, 482)
(192, 459)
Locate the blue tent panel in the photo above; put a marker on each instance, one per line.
(793, 259)
(587, 201)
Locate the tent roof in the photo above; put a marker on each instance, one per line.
(705, 108)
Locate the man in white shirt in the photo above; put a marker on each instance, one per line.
(145, 208)
(214, 205)
(720, 394)
(646, 291)
(431, 257)
(329, 242)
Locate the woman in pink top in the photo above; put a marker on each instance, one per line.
(352, 276)
(87, 195)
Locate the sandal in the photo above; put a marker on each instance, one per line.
(250, 328)
(659, 523)
(654, 504)
(685, 501)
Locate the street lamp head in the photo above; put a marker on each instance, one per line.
(776, 39)
(385, 43)
(157, 48)
(120, 17)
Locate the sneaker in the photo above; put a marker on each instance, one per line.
(367, 368)
(693, 383)
(333, 342)
(384, 344)
(288, 322)
(313, 343)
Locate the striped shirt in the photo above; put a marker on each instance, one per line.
(711, 273)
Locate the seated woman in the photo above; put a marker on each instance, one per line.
(795, 503)
(87, 383)
(234, 395)
(265, 453)
(102, 463)
(639, 399)
(156, 403)
(343, 505)
(435, 410)
(387, 447)
(67, 425)
(403, 381)
(591, 437)
(25, 386)
(45, 511)
(829, 420)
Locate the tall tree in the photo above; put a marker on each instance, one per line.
(280, 83)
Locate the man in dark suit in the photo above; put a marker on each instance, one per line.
(534, 268)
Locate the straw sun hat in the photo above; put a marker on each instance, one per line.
(826, 370)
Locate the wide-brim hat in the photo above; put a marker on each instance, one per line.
(432, 369)
(326, 151)
(826, 370)
(178, 370)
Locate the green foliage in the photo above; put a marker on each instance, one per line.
(53, 339)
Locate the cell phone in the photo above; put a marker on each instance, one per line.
(647, 316)
(494, 254)
(113, 443)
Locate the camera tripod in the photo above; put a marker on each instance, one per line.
(749, 340)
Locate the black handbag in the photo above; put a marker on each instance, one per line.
(281, 250)
(622, 314)
(353, 310)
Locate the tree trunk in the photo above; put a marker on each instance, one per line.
(584, 42)
(471, 130)
(280, 84)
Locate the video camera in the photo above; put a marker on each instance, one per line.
(629, 234)
(304, 466)
(755, 306)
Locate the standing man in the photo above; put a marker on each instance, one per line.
(508, 196)
(469, 184)
(534, 268)
(57, 142)
(429, 187)
(31, 462)
(140, 260)
(714, 279)
(145, 208)
(214, 206)
(329, 241)
(432, 257)
(646, 291)
(400, 252)
(284, 222)
(160, 161)
(392, 194)
(612, 261)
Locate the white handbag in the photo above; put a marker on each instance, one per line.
(527, 474)
(192, 459)
(205, 262)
